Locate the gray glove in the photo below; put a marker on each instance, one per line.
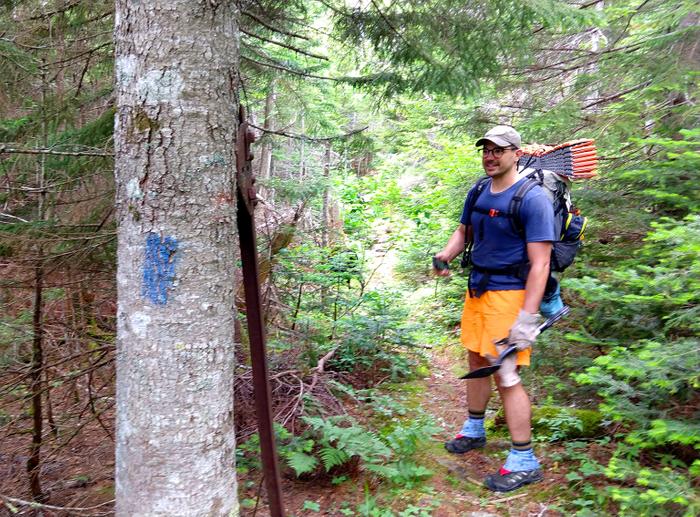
(508, 372)
(524, 330)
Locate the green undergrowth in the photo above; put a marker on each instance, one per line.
(554, 423)
(382, 448)
(563, 423)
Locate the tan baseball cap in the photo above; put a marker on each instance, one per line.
(502, 136)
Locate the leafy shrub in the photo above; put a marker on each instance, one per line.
(375, 338)
(649, 380)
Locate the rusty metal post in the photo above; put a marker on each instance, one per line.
(256, 330)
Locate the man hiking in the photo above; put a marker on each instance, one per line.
(503, 299)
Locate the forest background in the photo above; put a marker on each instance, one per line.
(367, 113)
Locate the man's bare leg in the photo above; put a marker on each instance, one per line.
(472, 434)
(521, 466)
(516, 405)
(478, 390)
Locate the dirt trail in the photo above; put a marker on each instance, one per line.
(458, 478)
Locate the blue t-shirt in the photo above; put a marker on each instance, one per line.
(496, 244)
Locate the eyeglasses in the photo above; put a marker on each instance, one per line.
(497, 152)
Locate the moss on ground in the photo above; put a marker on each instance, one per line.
(555, 423)
(567, 422)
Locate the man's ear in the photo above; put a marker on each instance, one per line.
(518, 153)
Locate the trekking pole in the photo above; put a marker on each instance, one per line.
(488, 370)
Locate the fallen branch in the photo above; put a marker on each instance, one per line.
(33, 504)
(17, 150)
(506, 499)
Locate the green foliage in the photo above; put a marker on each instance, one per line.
(638, 383)
(646, 309)
(401, 185)
(428, 55)
(405, 438)
(374, 336)
(636, 87)
(669, 185)
(338, 444)
(657, 291)
(583, 473)
(650, 491)
(311, 506)
(330, 443)
(364, 330)
(12, 130)
(14, 333)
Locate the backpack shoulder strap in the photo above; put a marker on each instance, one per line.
(479, 187)
(517, 200)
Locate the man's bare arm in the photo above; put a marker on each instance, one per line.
(454, 246)
(538, 253)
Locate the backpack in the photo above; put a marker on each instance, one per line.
(551, 168)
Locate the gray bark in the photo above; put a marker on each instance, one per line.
(175, 128)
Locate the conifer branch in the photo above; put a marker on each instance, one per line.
(284, 45)
(310, 138)
(22, 45)
(277, 66)
(417, 46)
(588, 4)
(63, 9)
(10, 216)
(617, 95)
(77, 56)
(273, 28)
(5, 149)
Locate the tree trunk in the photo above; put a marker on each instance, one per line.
(266, 148)
(302, 150)
(37, 365)
(596, 35)
(325, 222)
(34, 460)
(175, 129)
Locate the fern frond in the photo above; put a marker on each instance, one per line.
(301, 462)
(332, 457)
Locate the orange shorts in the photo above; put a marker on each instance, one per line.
(488, 318)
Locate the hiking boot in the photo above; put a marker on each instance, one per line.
(462, 444)
(506, 482)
